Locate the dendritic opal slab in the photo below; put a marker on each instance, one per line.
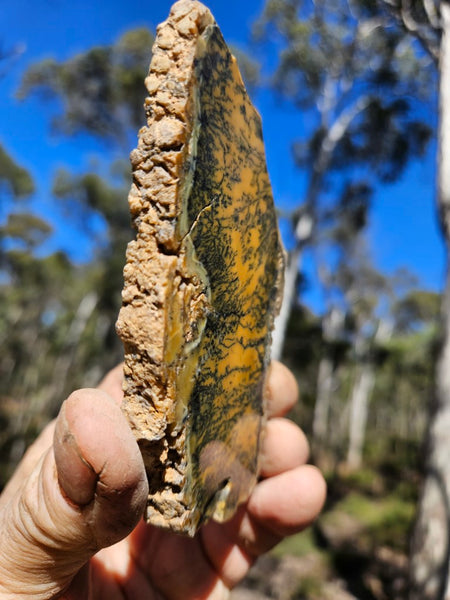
(203, 278)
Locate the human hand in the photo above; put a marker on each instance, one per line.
(71, 515)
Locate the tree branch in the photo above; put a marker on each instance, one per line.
(432, 14)
(337, 131)
(444, 124)
(334, 135)
(405, 18)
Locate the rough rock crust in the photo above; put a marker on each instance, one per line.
(202, 278)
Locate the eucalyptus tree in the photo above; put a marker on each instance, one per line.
(373, 332)
(357, 84)
(359, 320)
(345, 228)
(101, 90)
(428, 21)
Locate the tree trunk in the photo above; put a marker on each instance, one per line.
(359, 410)
(325, 387)
(332, 324)
(289, 296)
(306, 222)
(361, 395)
(64, 363)
(430, 548)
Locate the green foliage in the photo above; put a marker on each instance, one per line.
(385, 521)
(102, 90)
(404, 367)
(15, 177)
(415, 308)
(91, 193)
(26, 229)
(309, 588)
(299, 545)
(360, 539)
(365, 480)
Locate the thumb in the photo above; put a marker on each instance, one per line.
(87, 492)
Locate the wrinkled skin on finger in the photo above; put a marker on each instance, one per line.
(71, 512)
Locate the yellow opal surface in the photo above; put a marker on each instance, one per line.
(236, 240)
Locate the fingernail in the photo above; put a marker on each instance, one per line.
(76, 476)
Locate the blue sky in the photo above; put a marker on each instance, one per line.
(403, 227)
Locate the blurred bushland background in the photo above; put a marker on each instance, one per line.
(355, 96)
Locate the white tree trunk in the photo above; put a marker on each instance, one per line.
(430, 549)
(325, 387)
(332, 324)
(334, 135)
(289, 297)
(64, 363)
(360, 399)
(359, 410)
